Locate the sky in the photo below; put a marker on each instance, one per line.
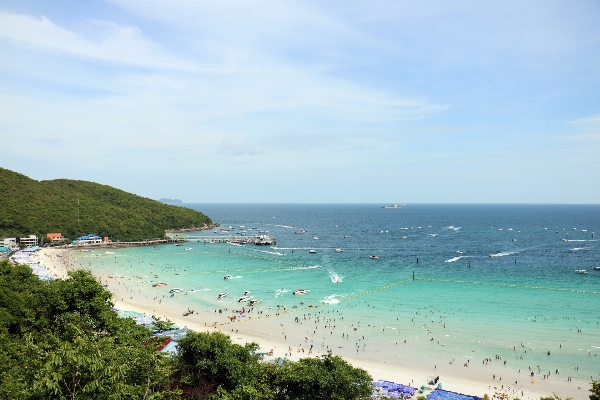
(306, 101)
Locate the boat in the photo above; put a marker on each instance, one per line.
(394, 206)
(252, 303)
(244, 298)
(300, 231)
(222, 295)
(247, 292)
(580, 271)
(176, 290)
(159, 284)
(312, 251)
(597, 268)
(458, 252)
(227, 277)
(301, 291)
(338, 250)
(188, 248)
(374, 257)
(188, 312)
(316, 238)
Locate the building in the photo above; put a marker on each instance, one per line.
(89, 239)
(8, 242)
(32, 240)
(55, 237)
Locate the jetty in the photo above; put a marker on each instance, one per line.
(259, 240)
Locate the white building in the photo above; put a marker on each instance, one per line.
(7, 242)
(32, 240)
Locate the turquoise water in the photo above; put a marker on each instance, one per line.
(526, 297)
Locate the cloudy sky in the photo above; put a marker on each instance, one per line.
(306, 101)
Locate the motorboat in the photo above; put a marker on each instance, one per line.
(226, 277)
(312, 251)
(247, 292)
(244, 298)
(301, 291)
(176, 290)
(374, 257)
(188, 248)
(222, 295)
(597, 268)
(459, 252)
(300, 231)
(394, 206)
(338, 250)
(252, 303)
(316, 238)
(580, 271)
(159, 284)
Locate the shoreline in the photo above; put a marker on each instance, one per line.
(411, 369)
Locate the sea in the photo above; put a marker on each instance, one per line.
(455, 282)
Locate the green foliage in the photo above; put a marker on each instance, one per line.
(76, 208)
(595, 390)
(161, 326)
(328, 377)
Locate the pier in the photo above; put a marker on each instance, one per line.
(259, 240)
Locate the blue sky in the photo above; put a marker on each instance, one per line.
(301, 101)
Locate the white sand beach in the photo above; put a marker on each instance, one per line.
(279, 331)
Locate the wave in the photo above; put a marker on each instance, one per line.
(579, 248)
(331, 299)
(454, 259)
(506, 253)
(454, 228)
(335, 278)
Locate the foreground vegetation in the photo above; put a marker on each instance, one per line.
(75, 208)
(62, 340)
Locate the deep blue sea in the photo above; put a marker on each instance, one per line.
(495, 279)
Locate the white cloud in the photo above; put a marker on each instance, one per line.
(111, 42)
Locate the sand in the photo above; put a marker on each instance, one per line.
(277, 330)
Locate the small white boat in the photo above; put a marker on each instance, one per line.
(374, 257)
(338, 250)
(244, 298)
(459, 252)
(176, 290)
(222, 295)
(247, 292)
(188, 248)
(316, 238)
(580, 271)
(226, 277)
(597, 268)
(301, 291)
(312, 251)
(300, 231)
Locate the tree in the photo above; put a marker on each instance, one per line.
(595, 390)
(328, 377)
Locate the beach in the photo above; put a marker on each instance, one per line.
(312, 331)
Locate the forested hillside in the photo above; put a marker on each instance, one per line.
(74, 208)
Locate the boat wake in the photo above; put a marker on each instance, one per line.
(331, 299)
(454, 228)
(579, 248)
(335, 278)
(306, 267)
(275, 253)
(453, 259)
(506, 253)
(280, 292)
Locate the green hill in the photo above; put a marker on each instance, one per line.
(75, 208)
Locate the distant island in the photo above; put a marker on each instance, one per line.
(74, 208)
(170, 201)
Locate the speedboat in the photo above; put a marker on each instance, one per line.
(580, 271)
(301, 291)
(374, 257)
(316, 238)
(300, 231)
(176, 290)
(244, 298)
(459, 252)
(159, 284)
(252, 303)
(247, 292)
(394, 206)
(339, 250)
(597, 268)
(222, 295)
(188, 248)
(312, 251)
(227, 277)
